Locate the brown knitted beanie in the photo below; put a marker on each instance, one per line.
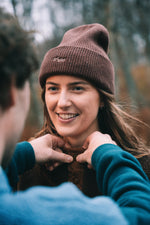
(82, 53)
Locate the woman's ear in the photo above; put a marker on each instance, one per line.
(101, 105)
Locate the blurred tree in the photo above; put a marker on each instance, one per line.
(14, 4)
(23, 10)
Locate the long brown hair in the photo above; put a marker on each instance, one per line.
(113, 121)
(121, 126)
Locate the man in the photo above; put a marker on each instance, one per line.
(64, 204)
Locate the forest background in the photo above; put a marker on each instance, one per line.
(129, 26)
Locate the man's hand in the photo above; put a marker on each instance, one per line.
(93, 141)
(47, 149)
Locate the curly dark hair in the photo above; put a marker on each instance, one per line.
(18, 58)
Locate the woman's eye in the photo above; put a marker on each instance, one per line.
(52, 89)
(78, 88)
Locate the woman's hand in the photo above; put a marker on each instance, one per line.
(47, 149)
(93, 141)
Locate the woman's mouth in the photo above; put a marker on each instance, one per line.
(67, 116)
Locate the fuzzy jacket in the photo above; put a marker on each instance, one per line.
(119, 176)
(79, 174)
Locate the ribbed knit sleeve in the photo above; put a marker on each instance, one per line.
(23, 159)
(120, 176)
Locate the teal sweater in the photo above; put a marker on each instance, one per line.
(119, 176)
(23, 159)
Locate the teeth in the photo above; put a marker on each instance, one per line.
(67, 116)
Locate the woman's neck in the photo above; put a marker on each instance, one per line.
(78, 141)
(74, 142)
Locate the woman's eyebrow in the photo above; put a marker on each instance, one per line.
(78, 82)
(49, 82)
(69, 84)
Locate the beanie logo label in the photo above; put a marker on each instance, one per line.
(59, 59)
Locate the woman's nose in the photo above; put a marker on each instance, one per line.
(64, 100)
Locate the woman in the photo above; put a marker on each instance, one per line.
(77, 80)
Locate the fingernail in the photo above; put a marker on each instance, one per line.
(78, 158)
(69, 159)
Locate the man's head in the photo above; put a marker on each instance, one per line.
(17, 62)
(17, 56)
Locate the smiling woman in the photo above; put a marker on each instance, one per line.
(67, 101)
(78, 96)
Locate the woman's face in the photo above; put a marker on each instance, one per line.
(73, 105)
